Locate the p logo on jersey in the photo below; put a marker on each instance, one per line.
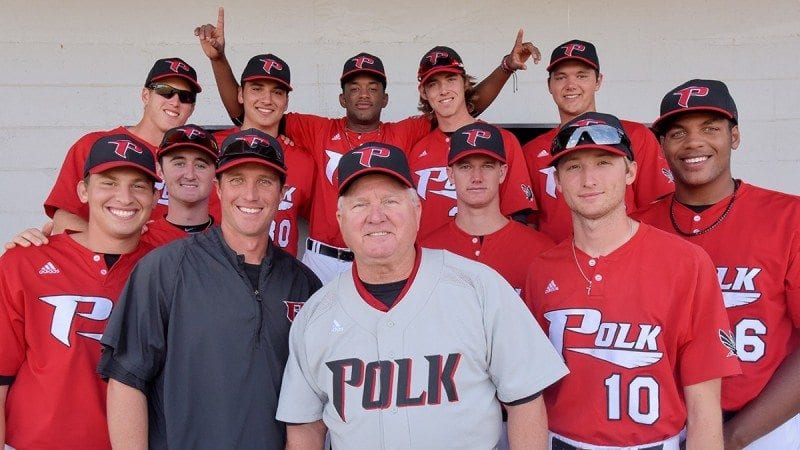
(373, 157)
(119, 150)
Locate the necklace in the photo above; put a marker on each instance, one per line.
(719, 220)
(578, 264)
(350, 144)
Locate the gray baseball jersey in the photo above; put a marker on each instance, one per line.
(426, 374)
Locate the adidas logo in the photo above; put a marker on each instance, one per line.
(49, 268)
(424, 153)
(336, 327)
(551, 287)
(337, 137)
(543, 154)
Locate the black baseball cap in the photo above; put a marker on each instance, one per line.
(188, 136)
(363, 63)
(267, 67)
(119, 150)
(591, 130)
(252, 146)
(696, 95)
(476, 138)
(439, 59)
(575, 50)
(373, 157)
(173, 67)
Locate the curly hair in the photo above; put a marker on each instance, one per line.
(469, 96)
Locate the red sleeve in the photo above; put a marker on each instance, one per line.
(516, 193)
(64, 194)
(12, 323)
(307, 130)
(792, 280)
(409, 131)
(654, 179)
(703, 354)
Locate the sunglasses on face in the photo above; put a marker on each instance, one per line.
(590, 134)
(242, 149)
(190, 135)
(168, 92)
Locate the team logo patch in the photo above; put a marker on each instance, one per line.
(177, 66)
(123, 146)
(727, 339)
(292, 308)
(527, 191)
(686, 94)
(572, 47)
(668, 175)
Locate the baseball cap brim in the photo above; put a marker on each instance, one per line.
(672, 114)
(435, 70)
(102, 167)
(187, 145)
(372, 170)
(281, 82)
(554, 159)
(586, 61)
(196, 87)
(351, 74)
(477, 151)
(239, 161)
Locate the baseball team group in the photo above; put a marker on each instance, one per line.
(605, 286)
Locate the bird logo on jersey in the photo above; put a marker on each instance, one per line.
(616, 342)
(687, 93)
(727, 339)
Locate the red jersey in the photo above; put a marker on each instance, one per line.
(64, 195)
(554, 219)
(508, 250)
(653, 323)
(296, 201)
(327, 140)
(428, 162)
(758, 268)
(54, 304)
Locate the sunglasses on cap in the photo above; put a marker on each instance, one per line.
(598, 134)
(168, 92)
(263, 151)
(189, 135)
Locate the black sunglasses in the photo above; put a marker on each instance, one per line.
(168, 92)
(261, 150)
(190, 135)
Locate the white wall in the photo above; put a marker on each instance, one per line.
(80, 67)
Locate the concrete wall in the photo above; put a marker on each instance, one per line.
(80, 67)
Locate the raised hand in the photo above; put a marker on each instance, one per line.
(212, 38)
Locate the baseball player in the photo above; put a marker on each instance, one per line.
(635, 312)
(264, 93)
(477, 168)
(196, 350)
(169, 96)
(363, 97)
(446, 93)
(187, 158)
(573, 80)
(757, 260)
(413, 347)
(55, 301)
